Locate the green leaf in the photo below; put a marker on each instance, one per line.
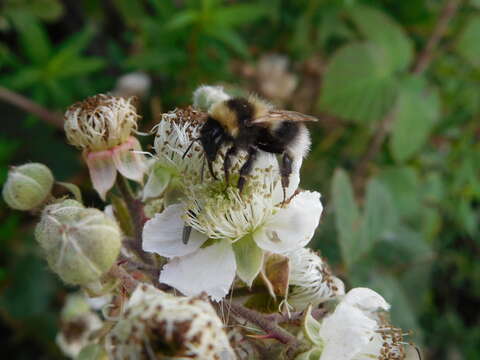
(416, 112)
(231, 39)
(359, 83)
(379, 28)
(235, 15)
(33, 37)
(249, 258)
(347, 215)
(48, 10)
(468, 45)
(380, 215)
(181, 20)
(404, 187)
(80, 66)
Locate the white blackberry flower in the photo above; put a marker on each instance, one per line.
(356, 330)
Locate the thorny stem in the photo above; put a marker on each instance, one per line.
(31, 107)
(295, 316)
(135, 208)
(423, 61)
(128, 282)
(271, 328)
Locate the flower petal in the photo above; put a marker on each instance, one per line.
(102, 171)
(366, 300)
(163, 234)
(128, 161)
(210, 270)
(345, 333)
(293, 226)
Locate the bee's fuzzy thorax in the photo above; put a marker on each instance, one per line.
(225, 116)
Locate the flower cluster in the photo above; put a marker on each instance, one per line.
(187, 265)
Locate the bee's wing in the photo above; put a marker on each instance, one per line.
(282, 115)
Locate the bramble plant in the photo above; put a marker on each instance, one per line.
(244, 286)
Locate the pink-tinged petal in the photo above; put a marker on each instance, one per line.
(163, 234)
(210, 270)
(102, 171)
(293, 226)
(128, 161)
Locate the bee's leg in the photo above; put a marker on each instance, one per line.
(247, 166)
(227, 162)
(285, 171)
(210, 167)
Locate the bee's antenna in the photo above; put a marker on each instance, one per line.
(189, 147)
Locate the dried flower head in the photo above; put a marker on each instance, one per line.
(157, 325)
(100, 122)
(101, 125)
(311, 281)
(78, 323)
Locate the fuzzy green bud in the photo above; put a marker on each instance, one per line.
(27, 186)
(81, 244)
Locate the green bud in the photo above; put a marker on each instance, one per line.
(81, 244)
(27, 186)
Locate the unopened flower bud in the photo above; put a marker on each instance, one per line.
(77, 324)
(27, 186)
(205, 96)
(157, 325)
(81, 244)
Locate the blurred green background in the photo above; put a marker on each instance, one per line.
(396, 154)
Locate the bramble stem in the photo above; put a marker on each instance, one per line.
(31, 107)
(271, 328)
(135, 208)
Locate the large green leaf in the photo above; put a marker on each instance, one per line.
(377, 27)
(404, 186)
(33, 37)
(359, 83)
(416, 112)
(380, 215)
(468, 44)
(347, 215)
(239, 14)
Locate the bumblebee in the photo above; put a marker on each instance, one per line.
(253, 125)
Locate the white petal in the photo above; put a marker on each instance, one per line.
(163, 234)
(210, 270)
(366, 300)
(293, 226)
(345, 333)
(102, 171)
(128, 161)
